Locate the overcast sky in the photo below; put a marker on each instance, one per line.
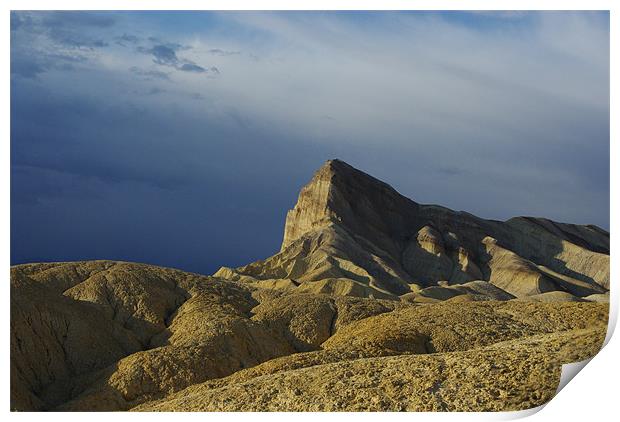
(181, 139)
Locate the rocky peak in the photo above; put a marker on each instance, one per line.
(349, 225)
(339, 193)
(312, 208)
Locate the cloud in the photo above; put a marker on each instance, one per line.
(76, 40)
(165, 55)
(31, 66)
(75, 19)
(69, 28)
(149, 74)
(70, 153)
(26, 67)
(154, 90)
(19, 20)
(125, 39)
(223, 53)
(191, 67)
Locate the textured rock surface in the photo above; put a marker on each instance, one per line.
(234, 346)
(517, 373)
(349, 225)
(374, 302)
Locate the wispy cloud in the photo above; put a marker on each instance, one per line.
(127, 39)
(149, 74)
(224, 53)
(166, 55)
(191, 67)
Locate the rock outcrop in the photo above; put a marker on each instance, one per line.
(347, 225)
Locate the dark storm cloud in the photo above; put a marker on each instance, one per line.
(95, 171)
(67, 146)
(38, 184)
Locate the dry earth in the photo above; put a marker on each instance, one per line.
(104, 335)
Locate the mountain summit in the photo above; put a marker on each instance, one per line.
(352, 234)
(343, 195)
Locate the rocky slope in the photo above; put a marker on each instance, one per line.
(373, 303)
(352, 234)
(104, 335)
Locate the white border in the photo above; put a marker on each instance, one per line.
(311, 5)
(590, 397)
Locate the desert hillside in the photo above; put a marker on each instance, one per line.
(374, 302)
(350, 233)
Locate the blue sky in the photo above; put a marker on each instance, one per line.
(182, 138)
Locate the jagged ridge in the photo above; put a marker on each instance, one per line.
(350, 226)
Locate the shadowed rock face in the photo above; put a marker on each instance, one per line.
(347, 225)
(373, 303)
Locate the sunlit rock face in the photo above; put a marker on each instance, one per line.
(349, 225)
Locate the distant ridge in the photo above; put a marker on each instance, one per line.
(352, 232)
